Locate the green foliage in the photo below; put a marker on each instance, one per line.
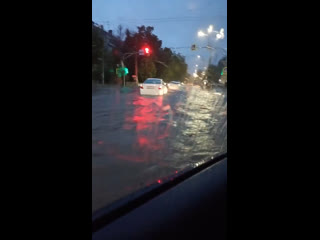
(147, 69)
(162, 62)
(177, 69)
(214, 73)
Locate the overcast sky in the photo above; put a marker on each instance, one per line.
(175, 22)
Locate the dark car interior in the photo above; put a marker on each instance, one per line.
(189, 206)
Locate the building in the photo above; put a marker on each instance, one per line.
(108, 39)
(101, 61)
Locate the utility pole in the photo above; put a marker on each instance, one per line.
(103, 64)
(124, 77)
(210, 51)
(102, 56)
(136, 63)
(136, 67)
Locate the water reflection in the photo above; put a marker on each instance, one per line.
(138, 140)
(151, 118)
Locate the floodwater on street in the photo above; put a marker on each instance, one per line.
(137, 140)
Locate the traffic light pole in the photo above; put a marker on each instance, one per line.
(136, 67)
(135, 63)
(103, 62)
(124, 77)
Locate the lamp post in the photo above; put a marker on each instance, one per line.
(219, 35)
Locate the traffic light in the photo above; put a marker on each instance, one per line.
(193, 47)
(121, 71)
(223, 70)
(147, 51)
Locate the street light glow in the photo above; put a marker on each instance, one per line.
(195, 75)
(210, 29)
(220, 35)
(201, 34)
(196, 65)
(198, 56)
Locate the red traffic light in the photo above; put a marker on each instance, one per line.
(145, 51)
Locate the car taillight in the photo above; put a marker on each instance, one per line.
(160, 87)
(141, 87)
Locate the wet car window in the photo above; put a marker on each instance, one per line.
(153, 81)
(142, 135)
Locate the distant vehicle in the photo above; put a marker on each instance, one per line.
(174, 85)
(153, 86)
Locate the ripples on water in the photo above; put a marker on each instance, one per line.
(143, 138)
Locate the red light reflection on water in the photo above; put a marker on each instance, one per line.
(148, 114)
(149, 121)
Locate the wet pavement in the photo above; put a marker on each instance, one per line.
(137, 140)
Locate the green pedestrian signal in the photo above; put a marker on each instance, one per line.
(223, 70)
(122, 71)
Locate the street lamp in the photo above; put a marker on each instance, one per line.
(198, 56)
(219, 35)
(201, 34)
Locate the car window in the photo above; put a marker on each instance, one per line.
(144, 134)
(153, 81)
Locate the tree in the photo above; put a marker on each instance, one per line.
(147, 69)
(120, 32)
(97, 53)
(177, 69)
(213, 73)
(162, 62)
(135, 41)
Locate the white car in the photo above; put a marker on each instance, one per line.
(153, 86)
(174, 85)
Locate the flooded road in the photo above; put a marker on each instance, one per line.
(137, 140)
